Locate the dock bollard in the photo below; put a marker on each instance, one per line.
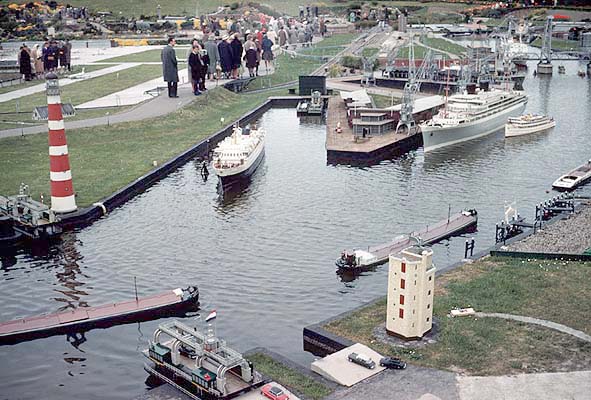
(469, 248)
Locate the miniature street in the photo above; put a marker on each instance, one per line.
(284, 201)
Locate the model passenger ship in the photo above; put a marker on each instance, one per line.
(238, 156)
(200, 365)
(526, 124)
(471, 115)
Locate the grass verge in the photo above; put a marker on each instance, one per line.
(551, 290)
(559, 44)
(105, 159)
(149, 55)
(75, 69)
(445, 45)
(289, 377)
(384, 101)
(90, 89)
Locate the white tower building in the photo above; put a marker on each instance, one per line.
(411, 283)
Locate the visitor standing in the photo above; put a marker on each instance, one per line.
(170, 67)
(24, 61)
(267, 47)
(68, 53)
(282, 38)
(190, 51)
(225, 52)
(38, 60)
(195, 67)
(214, 57)
(250, 55)
(236, 55)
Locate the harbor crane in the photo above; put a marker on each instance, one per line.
(411, 88)
(545, 64)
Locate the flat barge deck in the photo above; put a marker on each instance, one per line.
(359, 260)
(86, 318)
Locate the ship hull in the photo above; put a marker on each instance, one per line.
(229, 177)
(438, 137)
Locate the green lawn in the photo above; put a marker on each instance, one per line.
(90, 89)
(75, 69)
(104, 159)
(369, 51)
(552, 290)
(182, 7)
(384, 101)
(149, 55)
(559, 44)
(445, 45)
(291, 378)
(420, 52)
(287, 69)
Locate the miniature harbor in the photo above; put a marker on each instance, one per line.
(393, 122)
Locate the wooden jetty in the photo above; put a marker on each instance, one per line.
(360, 259)
(86, 318)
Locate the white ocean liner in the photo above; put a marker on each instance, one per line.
(470, 116)
(526, 124)
(239, 155)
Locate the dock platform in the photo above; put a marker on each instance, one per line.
(360, 259)
(346, 147)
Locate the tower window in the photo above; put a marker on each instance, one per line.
(402, 284)
(401, 299)
(401, 313)
(403, 267)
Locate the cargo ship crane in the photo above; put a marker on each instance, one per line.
(411, 88)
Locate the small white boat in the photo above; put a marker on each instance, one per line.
(574, 178)
(526, 124)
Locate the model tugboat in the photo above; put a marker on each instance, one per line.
(314, 106)
(200, 365)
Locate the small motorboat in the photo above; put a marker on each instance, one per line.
(574, 178)
(526, 124)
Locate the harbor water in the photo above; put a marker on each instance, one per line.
(263, 256)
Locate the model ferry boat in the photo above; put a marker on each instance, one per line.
(238, 156)
(526, 124)
(200, 365)
(471, 115)
(574, 178)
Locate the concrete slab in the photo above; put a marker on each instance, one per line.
(256, 394)
(562, 385)
(336, 367)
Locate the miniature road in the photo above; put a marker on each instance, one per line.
(547, 324)
(15, 94)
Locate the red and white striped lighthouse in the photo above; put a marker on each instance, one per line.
(62, 190)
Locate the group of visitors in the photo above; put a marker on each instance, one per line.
(214, 58)
(53, 56)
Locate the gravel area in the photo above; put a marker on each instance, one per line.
(571, 235)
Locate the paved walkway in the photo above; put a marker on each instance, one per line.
(547, 324)
(15, 94)
(563, 386)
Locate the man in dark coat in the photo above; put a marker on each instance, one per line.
(170, 68)
(225, 51)
(24, 61)
(236, 55)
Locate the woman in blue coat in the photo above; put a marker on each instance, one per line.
(225, 51)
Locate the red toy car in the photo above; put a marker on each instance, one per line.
(274, 392)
